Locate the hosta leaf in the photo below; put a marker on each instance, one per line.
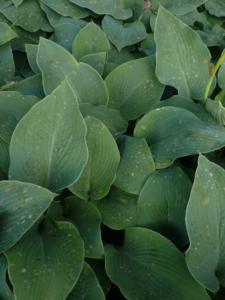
(205, 225)
(5, 292)
(96, 61)
(7, 66)
(13, 106)
(47, 262)
(162, 203)
(52, 16)
(217, 110)
(131, 81)
(87, 287)
(45, 149)
(196, 108)
(118, 209)
(216, 7)
(91, 39)
(6, 33)
(173, 132)
(178, 7)
(122, 35)
(104, 158)
(17, 2)
(148, 266)
(135, 166)
(31, 51)
(185, 67)
(110, 117)
(66, 8)
(22, 204)
(114, 8)
(32, 85)
(87, 220)
(28, 15)
(65, 33)
(56, 64)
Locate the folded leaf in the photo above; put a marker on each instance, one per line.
(206, 226)
(6, 33)
(45, 149)
(131, 81)
(87, 220)
(104, 157)
(182, 59)
(162, 203)
(5, 292)
(22, 204)
(47, 262)
(148, 266)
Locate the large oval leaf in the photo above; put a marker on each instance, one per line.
(87, 220)
(162, 203)
(206, 225)
(21, 205)
(148, 266)
(56, 63)
(182, 59)
(131, 81)
(104, 158)
(47, 262)
(45, 149)
(173, 132)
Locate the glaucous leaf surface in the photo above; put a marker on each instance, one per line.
(13, 106)
(6, 33)
(31, 51)
(162, 203)
(135, 166)
(45, 149)
(122, 35)
(185, 67)
(91, 39)
(22, 204)
(178, 7)
(65, 33)
(87, 220)
(100, 171)
(96, 60)
(118, 209)
(56, 64)
(110, 117)
(87, 287)
(47, 262)
(5, 292)
(216, 7)
(28, 16)
(206, 226)
(131, 81)
(116, 8)
(148, 266)
(31, 85)
(171, 136)
(66, 8)
(7, 66)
